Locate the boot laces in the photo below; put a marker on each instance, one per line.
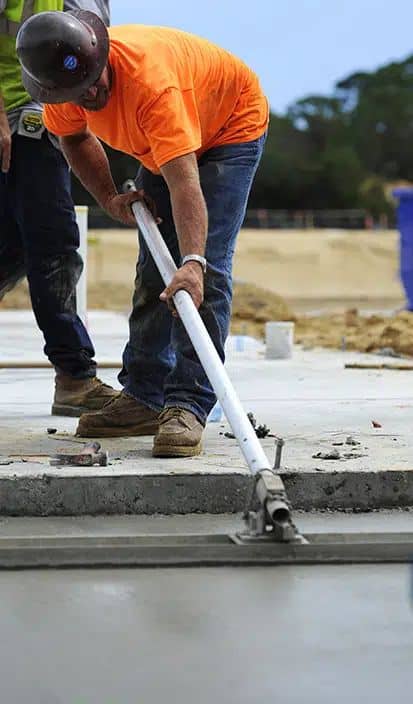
(169, 413)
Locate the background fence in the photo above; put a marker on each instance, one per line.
(282, 219)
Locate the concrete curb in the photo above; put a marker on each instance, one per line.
(51, 495)
(350, 490)
(47, 495)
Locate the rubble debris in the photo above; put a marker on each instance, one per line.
(351, 441)
(330, 455)
(261, 431)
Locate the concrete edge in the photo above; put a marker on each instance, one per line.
(124, 494)
(47, 495)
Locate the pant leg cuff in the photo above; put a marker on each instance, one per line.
(149, 404)
(84, 374)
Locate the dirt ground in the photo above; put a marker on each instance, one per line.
(321, 279)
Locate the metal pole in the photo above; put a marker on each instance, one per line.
(81, 288)
(269, 489)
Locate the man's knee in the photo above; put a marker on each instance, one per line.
(55, 276)
(12, 267)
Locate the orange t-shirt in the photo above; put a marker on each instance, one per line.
(172, 94)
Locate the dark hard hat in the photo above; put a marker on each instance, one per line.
(62, 54)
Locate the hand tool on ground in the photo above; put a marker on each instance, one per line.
(275, 513)
(90, 455)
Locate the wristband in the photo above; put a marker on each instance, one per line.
(195, 258)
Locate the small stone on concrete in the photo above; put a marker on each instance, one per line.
(330, 455)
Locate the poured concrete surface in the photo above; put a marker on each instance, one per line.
(311, 400)
(297, 635)
(105, 526)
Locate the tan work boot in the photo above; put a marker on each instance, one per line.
(179, 434)
(73, 397)
(122, 417)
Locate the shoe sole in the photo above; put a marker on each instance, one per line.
(176, 450)
(119, 432)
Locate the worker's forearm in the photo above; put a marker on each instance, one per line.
(190, 218)
(89, 162)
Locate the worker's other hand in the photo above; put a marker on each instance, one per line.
(5, 142)
(190, 277)
(119, 207)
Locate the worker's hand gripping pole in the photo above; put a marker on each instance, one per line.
(272, 498)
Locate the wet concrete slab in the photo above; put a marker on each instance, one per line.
(299, 635)
(311, 400)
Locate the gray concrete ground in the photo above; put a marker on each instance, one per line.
(300, 635)
(297, 635)
(311, 400)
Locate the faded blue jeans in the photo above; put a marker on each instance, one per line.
(160, 366)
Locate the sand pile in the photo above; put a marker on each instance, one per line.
(351, 331)
(254, 306)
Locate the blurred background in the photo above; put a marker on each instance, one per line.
(320, 239)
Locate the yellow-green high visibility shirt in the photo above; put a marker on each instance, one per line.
(12, 15)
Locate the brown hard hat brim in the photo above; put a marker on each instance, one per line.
(51, 95)
(68, 95)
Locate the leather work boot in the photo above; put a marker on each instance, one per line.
(73, 397)
(179, 434)
(122, 417)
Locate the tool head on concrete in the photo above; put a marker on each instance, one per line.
(62, 54)
(90, 455)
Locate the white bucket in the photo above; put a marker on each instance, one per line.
(279, 338)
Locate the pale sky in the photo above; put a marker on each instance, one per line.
(298, 47)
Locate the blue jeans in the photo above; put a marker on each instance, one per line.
(160, 366)
(39, 238)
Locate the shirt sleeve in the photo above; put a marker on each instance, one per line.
(64, 119)
(171, 125)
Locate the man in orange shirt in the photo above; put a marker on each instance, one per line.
(196, 118)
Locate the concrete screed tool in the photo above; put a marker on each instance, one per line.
(273, 517)
(270, 536)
